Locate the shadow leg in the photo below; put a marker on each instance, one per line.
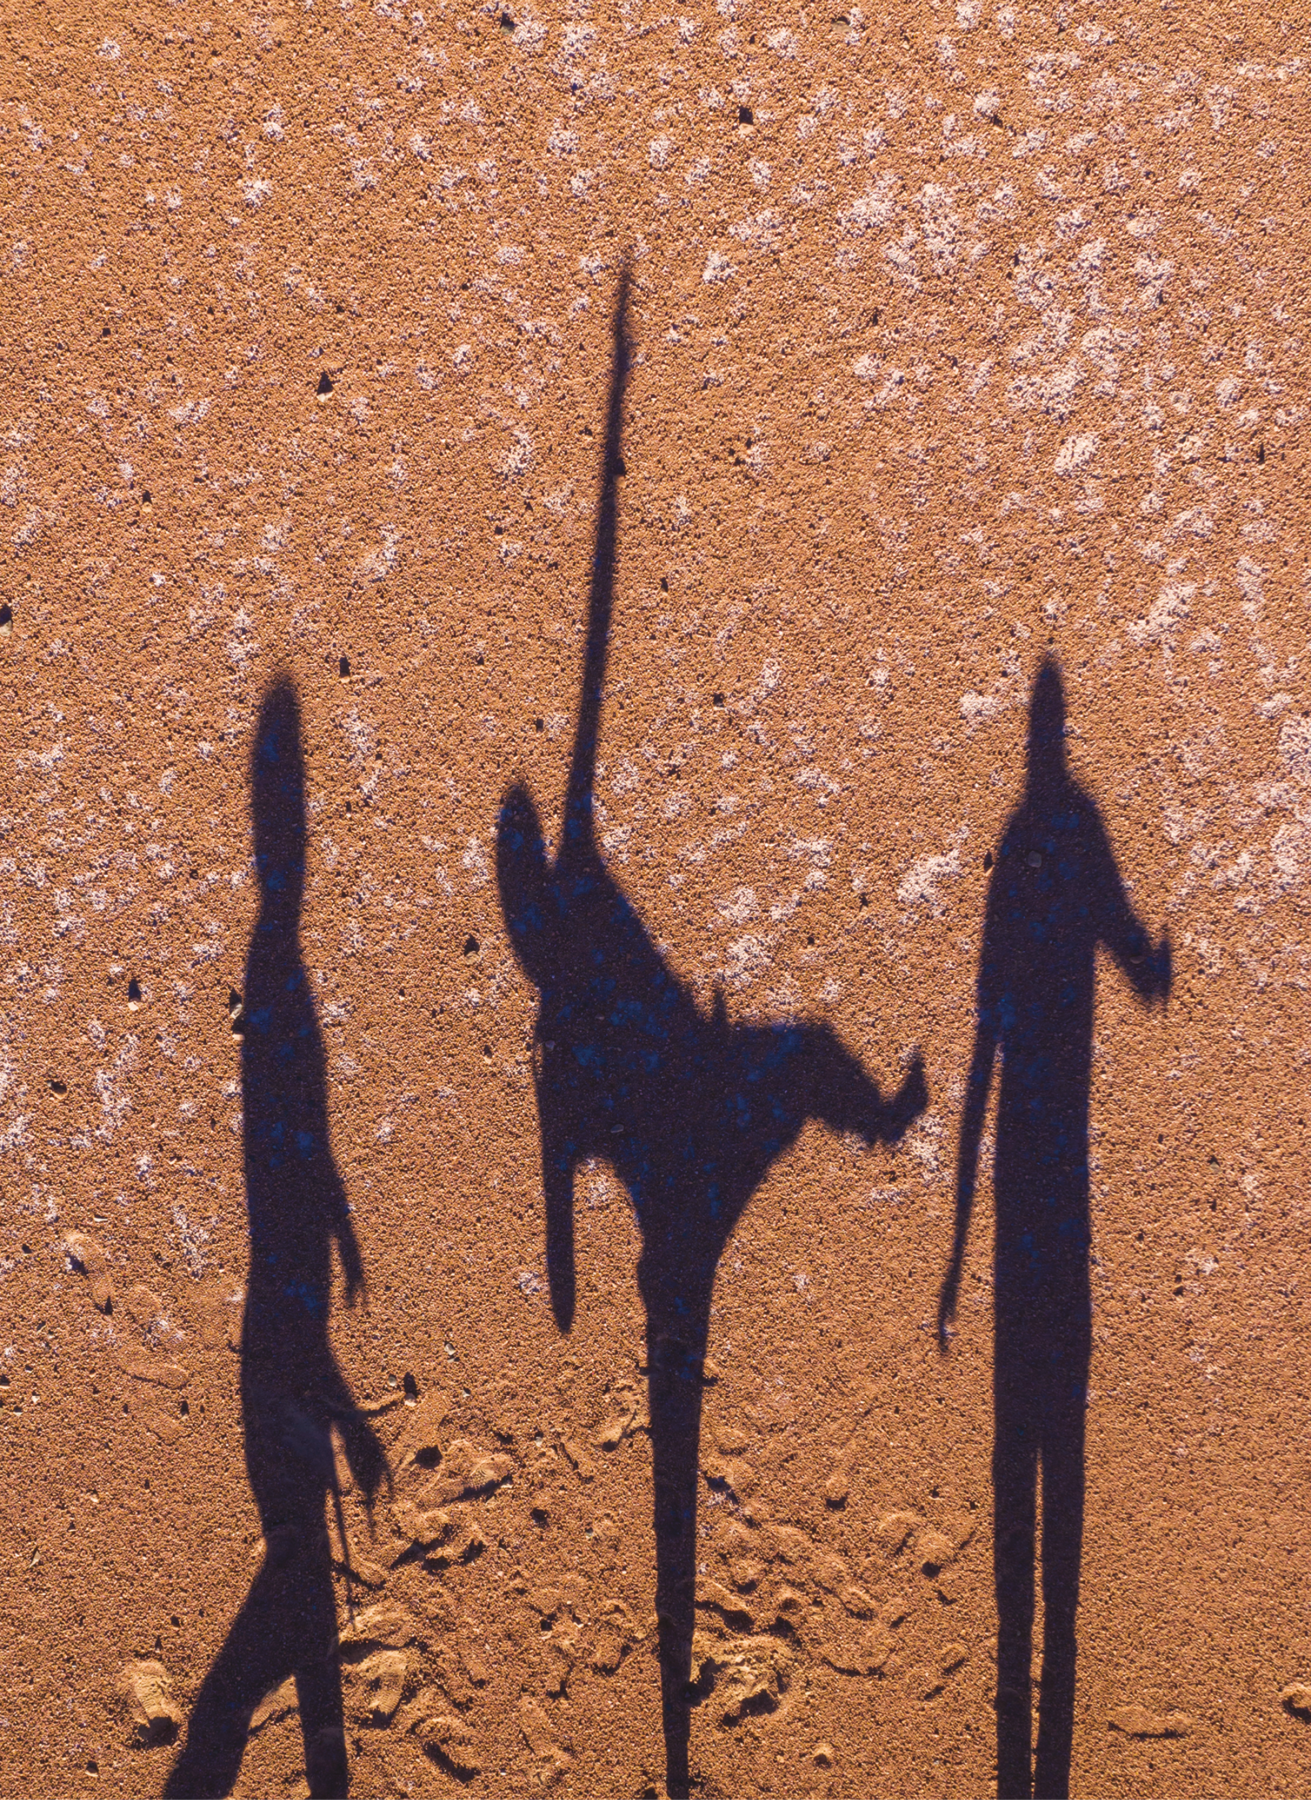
(1062, 1548)
(287, 1626)
(254, 1660)
(1014, 1489)
(675, 1395)
(318, 1678)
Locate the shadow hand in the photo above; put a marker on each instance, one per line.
(352, 1268)
(910, 1100)
(1162, 971)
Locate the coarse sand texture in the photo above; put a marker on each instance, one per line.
(655, 857)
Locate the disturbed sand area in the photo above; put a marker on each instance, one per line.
(959, 339)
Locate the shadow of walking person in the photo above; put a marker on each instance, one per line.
(293, 1394)
(690, 1111)
(1055, 894)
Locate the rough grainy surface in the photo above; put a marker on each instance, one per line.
(960, 337)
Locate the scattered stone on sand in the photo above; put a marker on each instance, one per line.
(1296, 1700)
(1137, 1722)
(924, 1683)
(423, 1440)
(419, 1528)
(144, 1689)
(279, 1704)
(790, 1606)
(579, 1458)
(451, 1745)
(540, 1738)
(750, 1673)
(831, 1572)
(893, 1611)
(386, 1624)
(377, 1683)
(791, 1545)
(894, 1528)
(953, 1657)
(745, 1573)
(934, 1550)
(856, 1601)
(734, 1609)
(855, 1652)
(154, 1369)
(824, 1755)
(616, 1634)
(143, 1306)
(88, 1258)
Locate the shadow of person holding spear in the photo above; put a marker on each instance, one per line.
(691, 1111)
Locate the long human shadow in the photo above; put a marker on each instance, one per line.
(293, 1394)
(689, 1110)
(1055, 894)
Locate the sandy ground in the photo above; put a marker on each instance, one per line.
(963, 342)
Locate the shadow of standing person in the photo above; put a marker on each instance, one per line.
(1055, 894)
(690, 1111)
(292, 1392)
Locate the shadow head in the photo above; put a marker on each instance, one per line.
(523, 876)
(1047, 727)
(277, 786)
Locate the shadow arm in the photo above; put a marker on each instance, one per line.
(558, 1191)
(342, 1227)
(1125, 936)
(967, 1167)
